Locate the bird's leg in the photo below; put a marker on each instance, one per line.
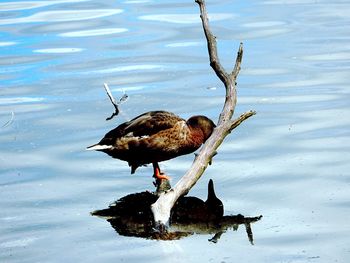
(162, 181)
(157, 173)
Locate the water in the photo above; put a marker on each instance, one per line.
(289, 163)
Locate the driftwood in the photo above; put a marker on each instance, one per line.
(162, 207)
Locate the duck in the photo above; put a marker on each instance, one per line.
(153, 137)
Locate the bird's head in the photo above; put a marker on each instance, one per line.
(201, 122)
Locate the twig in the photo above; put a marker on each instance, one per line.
(9, 122)
(211, 43)
(162, 207)
(113, 101)
(238, 63)
(241, 118)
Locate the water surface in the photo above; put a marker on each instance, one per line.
(289, 163)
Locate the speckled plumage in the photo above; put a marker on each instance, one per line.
(155, 136)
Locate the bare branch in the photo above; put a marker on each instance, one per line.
(211, 43)
(241, 118)
(238, 63)
(109, 93)
(113, 101)
(162, 207)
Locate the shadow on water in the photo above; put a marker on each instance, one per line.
(131, 216)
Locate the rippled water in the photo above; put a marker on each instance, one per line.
(289, 163)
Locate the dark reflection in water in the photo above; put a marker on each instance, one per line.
(131, 216)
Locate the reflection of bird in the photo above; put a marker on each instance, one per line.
(191, 209)
(153, 137)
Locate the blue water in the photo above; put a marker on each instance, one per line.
(289, 163)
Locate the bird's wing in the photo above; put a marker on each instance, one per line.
(150, 123)
(143, 125)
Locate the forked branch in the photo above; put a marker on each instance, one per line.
(162, 207)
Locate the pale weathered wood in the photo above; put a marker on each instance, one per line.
(162, 207)
(113, 101)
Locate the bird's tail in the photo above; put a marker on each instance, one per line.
(98, 147)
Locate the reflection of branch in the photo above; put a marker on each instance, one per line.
(249, 231)
(161, 208)
(131, 216)
(113, 101)
(216, 237)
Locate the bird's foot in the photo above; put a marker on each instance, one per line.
(160, 176)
